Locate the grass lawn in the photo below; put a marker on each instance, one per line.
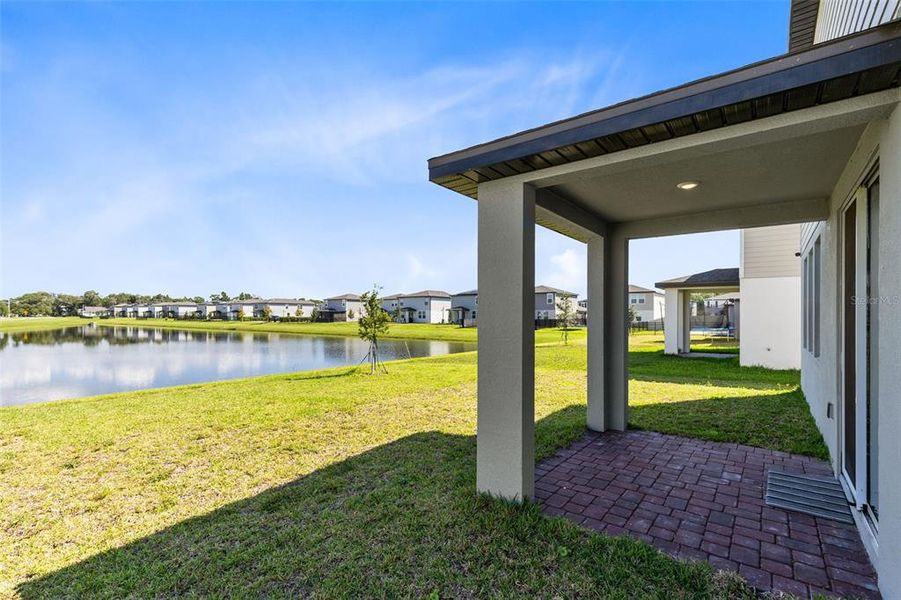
(39, 323)
(336, 483)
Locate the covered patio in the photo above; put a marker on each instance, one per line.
(759, 146)
(700, 500)
(678, 291)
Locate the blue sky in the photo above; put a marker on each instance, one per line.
(281, 148)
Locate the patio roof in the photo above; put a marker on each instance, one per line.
(848, 67)
(715, 278)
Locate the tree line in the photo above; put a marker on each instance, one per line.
(48, 304)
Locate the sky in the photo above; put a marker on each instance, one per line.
(281, 148)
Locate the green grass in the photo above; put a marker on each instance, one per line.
(421, 331)
(336, 483)
(40, 323)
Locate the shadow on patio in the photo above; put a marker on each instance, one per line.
(398, 520)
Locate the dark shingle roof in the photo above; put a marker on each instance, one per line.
(637, 289)
(712, 278)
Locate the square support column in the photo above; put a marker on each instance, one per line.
(671, 318)
(684, 321)
(596, 416)
(616, 334)
(505, 455)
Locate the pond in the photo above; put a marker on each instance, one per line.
(88, 360)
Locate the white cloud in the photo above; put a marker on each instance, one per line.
(570, 268)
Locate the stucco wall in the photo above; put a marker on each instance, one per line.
(820, 375)
(771, 322)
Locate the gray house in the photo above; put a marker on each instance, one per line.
(465, 308)
(546, 300)
(346, 307)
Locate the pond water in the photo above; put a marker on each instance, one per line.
(88, 360)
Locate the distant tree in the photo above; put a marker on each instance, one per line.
(299, 312)
(632, 314)
(566, 315)
(198, 300)
(241, 314)
(4, 309)
(33, 304)
(267, 312)
(223, 297)
(373, 323)
(91, 298)
(350, 314)
(246, 296)
(314, 314)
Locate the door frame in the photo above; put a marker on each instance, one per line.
(857, 488)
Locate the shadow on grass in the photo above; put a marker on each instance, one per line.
(777, 421)
(399, 520)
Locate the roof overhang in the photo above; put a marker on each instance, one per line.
(846, 68)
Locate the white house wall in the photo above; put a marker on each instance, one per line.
(820, 374)
(771, 322)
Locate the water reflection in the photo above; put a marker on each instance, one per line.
(88, 360)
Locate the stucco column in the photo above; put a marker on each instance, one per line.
(595, 417)
(505, 455)
(616, 334)
(671, 321)
(685, 321)
(888, 359)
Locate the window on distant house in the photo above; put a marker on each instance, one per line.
(550, 298)
(633, 300)
(641, 300)
(810, 299)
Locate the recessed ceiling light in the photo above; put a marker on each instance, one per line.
(688, 185)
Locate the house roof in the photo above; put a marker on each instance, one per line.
(707, 279)
(544, 289)
(467, 293)
(637, 289)
(287, 301)
(345, 297)
(851, 66)
(391, 297)
(428, 294)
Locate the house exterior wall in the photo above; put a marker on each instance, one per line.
(770, 252)
(546, 306)
(649, 306)
(820, 375)
(771, 322)
(770, 282)
(426, 309)
(837, 18)
(470, 302)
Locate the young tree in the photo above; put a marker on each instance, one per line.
(350, 314)
(314, 314)
(240, 314)
(632, 314)
(267, 313)
(373, 323)
(566, 316)
(299, 312)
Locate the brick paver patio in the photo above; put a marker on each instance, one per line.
(699, 500)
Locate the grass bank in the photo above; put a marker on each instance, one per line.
(336, 483)
(21, 324)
